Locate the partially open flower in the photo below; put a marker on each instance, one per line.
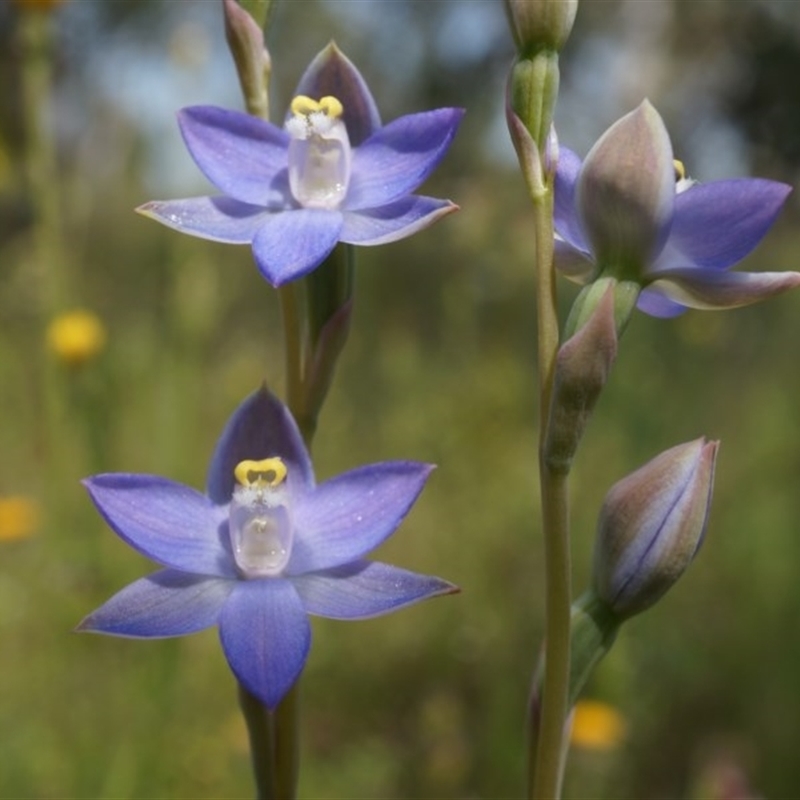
(651, 525)
(627, 213)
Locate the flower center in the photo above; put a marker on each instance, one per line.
(259, 521)
(319, 152)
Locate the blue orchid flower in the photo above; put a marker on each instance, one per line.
(332, 174)
(261, 550)
(628, 211)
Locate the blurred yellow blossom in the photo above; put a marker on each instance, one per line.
(19, 517)
(76, 337)
(38, 5)
(597, 726)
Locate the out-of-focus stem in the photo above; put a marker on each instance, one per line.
(293, 343)
(35, 32)
(545, 778)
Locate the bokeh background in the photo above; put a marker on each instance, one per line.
(430, 702)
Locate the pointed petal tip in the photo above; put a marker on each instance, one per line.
(84, 626)
(449, 588)
(148, 209)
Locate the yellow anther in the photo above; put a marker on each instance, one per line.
(305, 106)
(331, 106)
(680, 170)
(267, 472)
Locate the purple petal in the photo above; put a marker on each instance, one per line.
(239, 153)
(626, 191)
(331, 73)
(710, 288)
(166, 521)
(395, 221)
(573, 264)
(221, 219)
(167, 603)
(396, 159)
(365, 589)
(293, 243)
(653, 302)
(565, 214)
(261, 427)
(266, 637)
(347, 516)
(717, 224)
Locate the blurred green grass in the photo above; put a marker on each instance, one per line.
(440, 367)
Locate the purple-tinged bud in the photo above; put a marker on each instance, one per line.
(626, 193)
(651, 526)
(246, 42)
(582, 368)
(540, 24)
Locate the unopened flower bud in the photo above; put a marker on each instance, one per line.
(582, 368)
(651, 526)
(532, 92)
(540, 24)
(245, 39)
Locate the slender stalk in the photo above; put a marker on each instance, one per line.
(36, 33)
(293, 342)
(287, 744)
(48, 254)
(274, 737)
(261, 732)
(545, 777)
(548, 765)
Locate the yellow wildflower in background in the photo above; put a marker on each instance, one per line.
(597, 726)
(19, 518)
(38, 5)
(76, 337)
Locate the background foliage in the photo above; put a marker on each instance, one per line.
(427, 703)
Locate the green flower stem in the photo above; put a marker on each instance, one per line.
(260, 729)
(282, 741)
(287, 744)
(36, 34)
(46, 263)
(293, 341)
(274, 737)
(547, 764)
